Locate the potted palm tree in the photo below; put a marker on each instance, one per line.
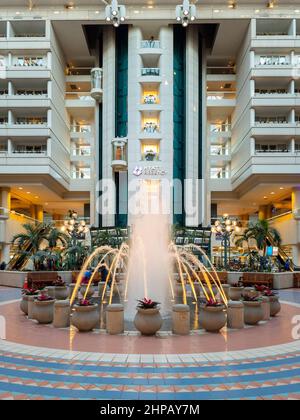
(44, 308)
(148, 319)
(214, 316)
(85, 317)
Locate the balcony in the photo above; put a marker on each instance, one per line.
(221, 99)
(97, 84)
(150, 71)
(81, 153)
(119, 154)
(79, 100)
(81, 132)
(150, 44)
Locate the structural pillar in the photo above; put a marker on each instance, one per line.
(5, 204)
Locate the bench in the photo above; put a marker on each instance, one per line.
(39, 280)
(251, 279)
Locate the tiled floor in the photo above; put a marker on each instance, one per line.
(258, 369)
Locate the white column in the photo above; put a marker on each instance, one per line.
(109, 67)
(166, 117)
(134, 100)
(252, 146)
(192, 126)
(6, 204)
(9, 147)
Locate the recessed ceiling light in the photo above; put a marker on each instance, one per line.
(297, 11)
(20, 188)
(281, 188)
(46, 204)
(265, 198)
(272, 193)
(28, 192)
(56, 12)
(232, 5)
(97, 12)
(216, 11)
(257, 11)
(36, 197)
(270, 4)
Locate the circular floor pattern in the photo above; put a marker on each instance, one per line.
(259, 363)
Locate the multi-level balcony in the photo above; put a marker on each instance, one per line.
(24, 123)
(78, 74)
(82, 132)
(220, 154)
(24, 94)
(221, 99)
(24, 35)
(81, 153)
(79, 100)
(220, 72)
(219, 133)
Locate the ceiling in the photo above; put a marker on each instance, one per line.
(132, 2)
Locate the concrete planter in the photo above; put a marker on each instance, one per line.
(226, 288)
(43, 311)
(266, 308)
(85, 318)
(275, 306)
(115, 319)
(90, 292)
(24, 304)
(148, 321)
(214, 318)
(71, 288)
(61, 292)
(181, 319)
(50, 290)
(253, 312)
(235, 293)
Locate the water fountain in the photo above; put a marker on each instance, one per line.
(152, 266)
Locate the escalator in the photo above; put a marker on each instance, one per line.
(20, 260)
(282, 255)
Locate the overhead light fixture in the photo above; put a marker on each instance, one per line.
(69, 6)
(232, 4)
(270, 4)
(185, 13)
(115, 13)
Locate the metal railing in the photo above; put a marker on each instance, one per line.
(150, 71)
(150, 44)
(221, 70)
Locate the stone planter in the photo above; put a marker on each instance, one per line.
(71, 290)
(266, 308)
(61, 314)
(181, 319)
(24, 304)
(235, 293)
(275, 306)
(85, 318)
(90, 292)
(148, 321)
(115, 319)
(43, 311)
(61, 292)
(253, 312)
(214, 289)
(214, 318)
(226, 288)
(31, 307)
(50, 291)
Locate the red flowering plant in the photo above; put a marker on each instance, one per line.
(147, 304)
(84, 302)
(59, 282)
(211, 303)
(269, 293)
(248, 298)
(30, 292)
(261, 288)
(44, 298)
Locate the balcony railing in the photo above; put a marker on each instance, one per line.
(217, 96)
(221, 70)
(150, 99)
(271, 121)
(150, 44)
(153, 71)
(220, 128)
(150, 156)
(151, 128)
(272, 149)
(83, 151)
(30, 62)
(31, 121)
(81, 174)
(263, 92)
(30, 152)
(82, 96)
(78, 71)
(219, 174)
(81, 129)
(31, 92)
(273, 60)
